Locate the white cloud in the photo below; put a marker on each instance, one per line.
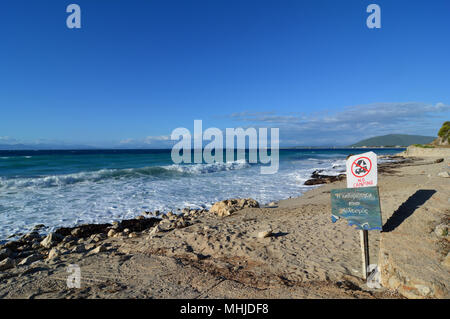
(8, 140)
(160, 141)
(352, 123)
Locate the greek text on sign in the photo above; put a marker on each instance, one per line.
(360, 207)
(362, 170)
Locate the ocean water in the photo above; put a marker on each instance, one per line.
(67, 188)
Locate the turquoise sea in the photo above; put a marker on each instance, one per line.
(66, 188)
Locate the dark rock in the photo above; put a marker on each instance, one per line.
(30, 259)
(439, 160)
(138, 225)
(83, 231)
(12, 245)
(31, 236)
(7, 263)
(317, 178)
(39, 227)
(4, 253)
(24, 254)
(68, 239)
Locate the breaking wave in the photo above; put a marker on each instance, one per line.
(156, 172)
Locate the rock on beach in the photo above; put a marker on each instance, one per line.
(229, 206)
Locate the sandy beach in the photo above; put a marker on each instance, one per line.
(290, 249)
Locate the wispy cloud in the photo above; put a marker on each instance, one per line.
(160, 141)
(8, 140)
(352, 123)
(341, 127)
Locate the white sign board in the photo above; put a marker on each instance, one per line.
(362, 170)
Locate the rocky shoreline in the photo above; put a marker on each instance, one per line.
(89, 238)
(317, 178)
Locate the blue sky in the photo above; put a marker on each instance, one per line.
(136, 70)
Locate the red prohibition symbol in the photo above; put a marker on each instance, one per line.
(361, 166)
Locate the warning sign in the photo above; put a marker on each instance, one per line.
(362, 170)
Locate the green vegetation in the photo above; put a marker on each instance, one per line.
(394, 139)
(444, 132)
(423, 146)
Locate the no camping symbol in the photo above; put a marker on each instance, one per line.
(361, 166)
(361, 170)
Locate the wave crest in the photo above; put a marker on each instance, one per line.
(157, 172)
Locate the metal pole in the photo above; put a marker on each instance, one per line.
(364, 236)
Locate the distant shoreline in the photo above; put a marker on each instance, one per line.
(169, 149)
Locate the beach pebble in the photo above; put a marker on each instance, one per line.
(229, 206)
(155, 230)
(89, 247)
(181, 223)
(111, 233)
(98, 237)
(443, 174)
(51, 240)
(30, 259)
(132, 235)
(78, 249)
(265, 233)
(6, 264)
(76, 232)
(68, 245)
(53, 253)
(68, 239)
(115, 225)
(126, 231)
(32, 235)
(441, 230)
(98, 249)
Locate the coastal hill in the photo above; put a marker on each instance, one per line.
(394, 140)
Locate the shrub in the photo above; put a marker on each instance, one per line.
(444, 132)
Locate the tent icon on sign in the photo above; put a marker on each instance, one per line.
(361, 167)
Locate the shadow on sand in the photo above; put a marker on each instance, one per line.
(407, 208)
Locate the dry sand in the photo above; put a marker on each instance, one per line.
(307, 256)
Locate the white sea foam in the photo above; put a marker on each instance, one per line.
(112, 194)
(105, 174)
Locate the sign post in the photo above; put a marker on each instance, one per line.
(364, 236)
(359, 203)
